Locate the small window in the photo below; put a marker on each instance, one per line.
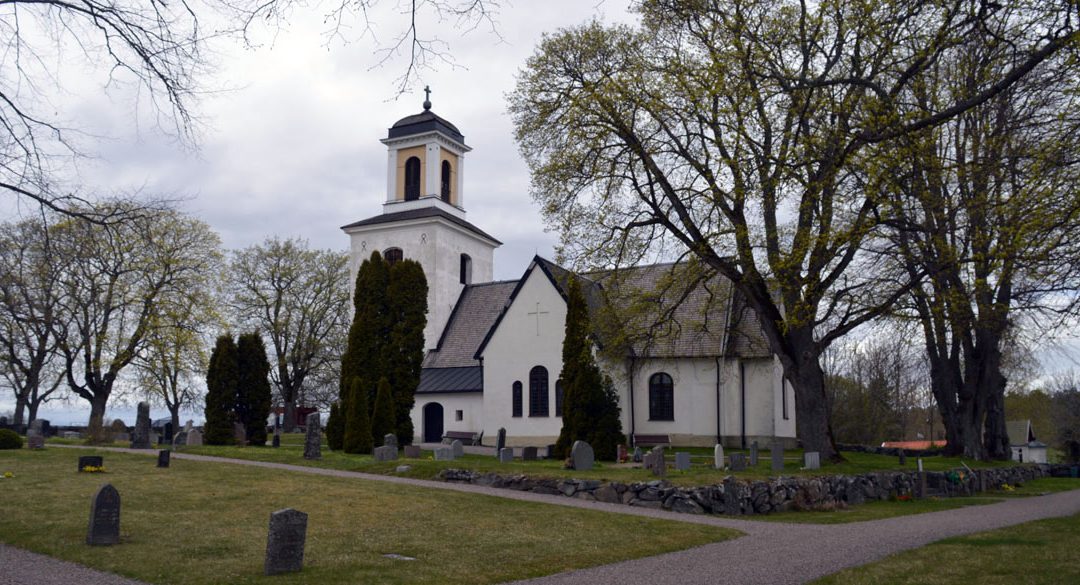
(783, 397)
(517, 399)
(445, 192)
(538, 391)
(661, 397)
(393, 256)
(558, 397)
(459, 415)
(412, 179)
(466, 269)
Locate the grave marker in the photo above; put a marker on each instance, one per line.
(718, 456)
(659, 466)
(637, 458)
(140, 438)
(506, 455)
(457, 448)
(682, 460)
(285, 542)
(444, 454)
(90, 461)
(777, 453)
(620, 453)
(528, 454)
(903, 457)
(385, 453)
(412, 451)
(812, 460)
(390, 440)
(313, 438)
(194, 438)
(738, 462)
(500, 441)
(581, 456)
(104, 528)
(240, 434)
(163, 458)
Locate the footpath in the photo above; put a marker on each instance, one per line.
(769, 553)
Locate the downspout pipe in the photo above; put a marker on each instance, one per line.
(742, 403)
(630, 376)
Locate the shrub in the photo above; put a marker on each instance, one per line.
(9, 439)
(382, 418)
(357, 421)
(335, 428)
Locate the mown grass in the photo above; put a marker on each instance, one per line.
(206, 523)
(1035, 553)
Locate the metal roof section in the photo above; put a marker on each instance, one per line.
(421, 214)
(448, 380)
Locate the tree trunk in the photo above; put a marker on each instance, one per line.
(174, 414)
(95, 426)
(289, 424)
(20, 408)
(811, 403)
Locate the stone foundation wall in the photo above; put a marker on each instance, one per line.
(741, 497)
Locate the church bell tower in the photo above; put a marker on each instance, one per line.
(423, 215)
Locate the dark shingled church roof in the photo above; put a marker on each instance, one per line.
(425, 121)
(422, 213)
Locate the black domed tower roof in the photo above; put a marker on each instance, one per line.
(426, 121)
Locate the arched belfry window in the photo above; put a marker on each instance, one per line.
(412, 179)
(516, 397)
(393, 255)
(466, 269)
(446, 181)
(661, 397)
(538, 391)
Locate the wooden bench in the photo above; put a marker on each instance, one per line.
(651, 440)
(466, 437)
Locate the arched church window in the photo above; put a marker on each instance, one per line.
(412, 179)
(558, 397)
(393, 256)
(538, 391)
(661, 397)
(516, 392)
(446, 181)
(466, 269)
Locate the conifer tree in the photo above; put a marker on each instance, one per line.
(404, 355)
(590, 404)
(253, 394)
(335, 427)
(222, 378)
(370, 329)
(382, 419)
(357, 422)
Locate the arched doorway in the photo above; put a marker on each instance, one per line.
(433, 422)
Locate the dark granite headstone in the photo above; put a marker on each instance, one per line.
(313, 438)
(168, 432)
(91, 461)
(550, 454)
(738, 462)
(412, 451)
(285, 542)
(140, 438)
(682, 461)
(777, 453)
(104, 526)
(753, 454)
(276, 441)
(581, 456)
(163, 458)
(903, 457)
(637, 455)
(500, 441)
(528, 453)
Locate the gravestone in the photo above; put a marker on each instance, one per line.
(240, 434)
(140, 438)
(753, 454)
(581, 456)
(528, 454)
(194, 438)
(738, 462)
(188, 425)
(637, 457)
(550, 453)
(412, 451)
(777, 453)
(682, 460)
(659, 466)
(91, 461)
(457, 448)
(168, 432)
(506, 455)
(104, 528)
(390, 440)
(444, 454)
(285, 542)
(812, 460)
(718, 456)
(903, 457)
(500, 441)
(403, 468)
(71, 435)
(276, 442)
(385, 453)
(648, 460)
(313, 438)
(163, 458)
(620, 453)
(35, 441)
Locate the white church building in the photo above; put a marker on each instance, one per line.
(695, 367)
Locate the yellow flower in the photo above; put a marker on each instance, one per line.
(8, 474)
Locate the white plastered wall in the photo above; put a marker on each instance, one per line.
(513, 350)
(469, 403)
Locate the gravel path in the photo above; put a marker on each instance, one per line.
(770, 553)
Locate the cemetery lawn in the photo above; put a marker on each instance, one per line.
(206, 523)
(700, 473)
(1040, 552)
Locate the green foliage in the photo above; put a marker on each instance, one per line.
(1066, 419)
(9, 439)
(382, 419)
(118, 426)
(590, 402)
(335, 427)
(386, 338)
(357, 420)
(222, 379)
(253, 397)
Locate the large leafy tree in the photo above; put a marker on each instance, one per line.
(222, 380)
(739, 132)
(590, 407)
(297, 297)
(253, 397)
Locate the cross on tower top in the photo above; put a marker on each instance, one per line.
(427, 97)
